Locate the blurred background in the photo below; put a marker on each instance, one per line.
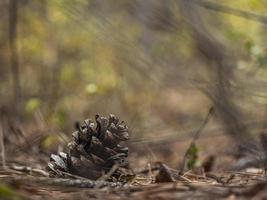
(158, 65)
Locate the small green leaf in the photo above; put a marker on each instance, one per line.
(91, 88)
(32, 105)
(60, 117)
(50, 142)
(262, 60)
(192, 156)
(248, 45)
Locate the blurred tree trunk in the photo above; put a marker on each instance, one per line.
(43, 73)
(51, 67)
(14, 55)
(4, 60)
(155, 16)
(144, 12)
(55, 84)
(221, 66)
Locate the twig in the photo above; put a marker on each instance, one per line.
(233, 11)
(196, 135)
(64, 182)
(109, 174)
(69, 175)
(150, 169)
(29, 170)
(2, 144)
(210, 113)
(255, 125)
(214, 177)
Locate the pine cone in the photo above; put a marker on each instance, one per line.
(95, 149)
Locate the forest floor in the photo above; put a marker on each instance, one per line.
(238, 185)
(20, 181)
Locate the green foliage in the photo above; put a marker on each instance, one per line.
(262, 60)
(191, 156)
(32, 105)
(50, 142)
(8, 193)
(234, 35)
(59, 117)
(91, 88)
(249, 45)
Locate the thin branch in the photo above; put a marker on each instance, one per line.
(255, 125)
(196, 135)
(64, 182)
(210, 113)
(105, 177)
(14, 53)
(29, 169)
(233, 11)
(2, 144)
